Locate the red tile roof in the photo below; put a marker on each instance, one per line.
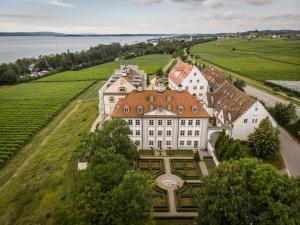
(152, 99)
(179, 72)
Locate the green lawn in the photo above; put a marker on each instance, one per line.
(149, 63)
(26, 108)
(259, 59)
(38, 181)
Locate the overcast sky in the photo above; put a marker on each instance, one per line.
(148, 16)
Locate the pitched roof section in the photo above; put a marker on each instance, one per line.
(150, 100)
(225, 96)
(179, 72)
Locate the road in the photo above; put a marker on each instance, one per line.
(289, 146)
(269, 99)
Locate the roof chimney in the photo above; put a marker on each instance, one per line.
(180, 89)
(160, 88)
(140, 88)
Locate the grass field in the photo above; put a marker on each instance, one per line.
(149, 63)
(259, 59)
(39, 179)
(26, 108)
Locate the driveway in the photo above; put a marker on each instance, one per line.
(290, 150)
(267, 98)
(289, 147)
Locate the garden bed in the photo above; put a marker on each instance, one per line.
(186, 197)
(187, 169)
(155, 167)
(159, 199)
(146, 152)
(180, 152)
(209, 162)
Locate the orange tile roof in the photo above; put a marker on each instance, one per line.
(168, 100)
(179, 72)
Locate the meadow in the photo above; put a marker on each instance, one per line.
(259, 59)
(149, 63)
(26, 108)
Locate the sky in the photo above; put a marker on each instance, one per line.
(148, 16)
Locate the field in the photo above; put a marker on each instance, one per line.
(259, 59)
(26, 108)
(149, 63)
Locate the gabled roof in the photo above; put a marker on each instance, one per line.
(151, 100)
(179, 72)
(225, 96)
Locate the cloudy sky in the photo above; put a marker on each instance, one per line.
(148, 16)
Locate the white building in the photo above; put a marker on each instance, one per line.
(121, 83)
(163, 119)
(189, 78)
(231, 107)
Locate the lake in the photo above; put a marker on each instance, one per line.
(15, 47)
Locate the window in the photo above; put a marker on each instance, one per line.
(190, 123)
(201, 87)
(168, 143)
(169, 133)
(198, 81)
(151, 122)
(189, 143)
(197, 132)
(195, 74)
(137, 133)
(182, 122)
(190, 132)
(151, 98)
(159, 132)
(194, 109)
(111, 99)
(151, 143)
(126, 109)
(256, 109)
(169, 122)
(130, 122)
(180, 109)
(151, 132)
(245, 120)
(200, 95)
(122, 89)
(181, 143)
(182, 133)
(137, 123)
(138, 143)
(254, 121)
(160, 123)
(194, 87)
(140, 109)
(169, 98)
(191, 81)
(197, 122)
(186, 88)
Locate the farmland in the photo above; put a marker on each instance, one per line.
(259, 59)
(149, 63)
(26, 108)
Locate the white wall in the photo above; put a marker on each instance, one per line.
(254, 115)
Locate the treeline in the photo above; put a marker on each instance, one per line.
(17, 72)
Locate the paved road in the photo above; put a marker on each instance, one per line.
(289, 147)
(290, 150)
(269, 99)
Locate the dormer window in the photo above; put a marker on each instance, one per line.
(194, 109)
(122, 89)
(111, 99)
(160, 108)
(169, 98)
(181, 109)
(151, 98)
(151, 107)
(169, 107)
(140, 109)
(126, 109)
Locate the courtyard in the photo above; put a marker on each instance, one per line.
(177, 176)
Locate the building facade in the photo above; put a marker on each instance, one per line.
(163, 119)
(189, 78)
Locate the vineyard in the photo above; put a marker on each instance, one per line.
(149, 63)
(259, 59)
(26, 108)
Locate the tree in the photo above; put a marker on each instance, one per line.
(264, 141)
(130, 202)
(226, 148)
(9, 77)
(160, 72)
(284, 114)
(240, 84)
(248, 192)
